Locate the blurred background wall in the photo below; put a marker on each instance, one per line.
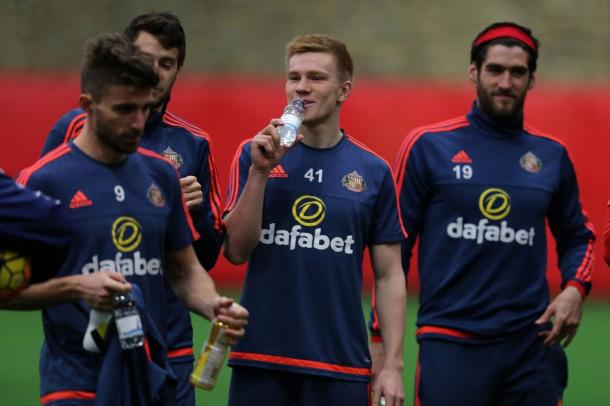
(413, 38)
(410, 56)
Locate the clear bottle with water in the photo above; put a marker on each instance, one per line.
(128, 321)
(292, 118)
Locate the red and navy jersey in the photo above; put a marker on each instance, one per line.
(190, 150)
(124, 218)
(477, 195)
(322, 208)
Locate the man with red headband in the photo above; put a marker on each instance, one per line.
(477, 191)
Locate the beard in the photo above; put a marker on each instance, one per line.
(122, 143)
(506, 110)
(159, 100)
(162, 96)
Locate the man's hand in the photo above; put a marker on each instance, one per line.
(388, 385)
(566, 310)
(266, 150)
(232, 315)
(191, 190)
(97, 289)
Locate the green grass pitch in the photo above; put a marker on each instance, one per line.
(588, 355)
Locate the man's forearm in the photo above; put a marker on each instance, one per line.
(243, 223)
(391, 307)
(191, 282)
(40, 295)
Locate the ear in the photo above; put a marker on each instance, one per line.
(85, 101)
(344, 91)
(473, 73)
(532, 82)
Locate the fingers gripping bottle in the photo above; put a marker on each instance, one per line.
(292, 118)
(128, 322)
(212, 357)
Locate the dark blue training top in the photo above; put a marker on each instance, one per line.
(34, 225)
(125, 217)
(477, 194)
(303, 286)
(30, 218)
(190, 150)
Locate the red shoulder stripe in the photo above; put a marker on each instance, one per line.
(189, 220)
(66, 395)
(537, 133)
(75, 126)
(414, 135)
(176, 121)
(214, 194)
(364, 147)
(234, 178)
(25, 175)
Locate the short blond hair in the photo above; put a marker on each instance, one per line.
(323, 43)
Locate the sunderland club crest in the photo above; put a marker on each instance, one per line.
(155, 195)
(530, 162)
(354, 182)
(173, 156)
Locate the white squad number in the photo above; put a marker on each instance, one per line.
(462, 171)
(312, 176)
(119, 193)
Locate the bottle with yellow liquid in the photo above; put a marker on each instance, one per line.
(213, 354)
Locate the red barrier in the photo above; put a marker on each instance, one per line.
(378, 113)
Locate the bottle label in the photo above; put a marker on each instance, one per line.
(214, 362)
(129, 327)
(292, 121)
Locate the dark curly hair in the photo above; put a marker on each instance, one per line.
(164, 26)
(112, 59)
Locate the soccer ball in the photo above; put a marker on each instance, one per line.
(15, 274)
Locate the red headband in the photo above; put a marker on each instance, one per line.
(507, 31)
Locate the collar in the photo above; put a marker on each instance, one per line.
(155, 118)
(153, 122)
(492, 127)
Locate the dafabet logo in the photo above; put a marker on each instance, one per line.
(126, 233)
(494, 204)
(308, 211)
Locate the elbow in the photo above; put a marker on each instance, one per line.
(238, 251)
(234, 258)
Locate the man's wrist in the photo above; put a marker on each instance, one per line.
(261, 173)
(581, 290)
(395, 364)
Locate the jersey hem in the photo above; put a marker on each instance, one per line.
(299, 370)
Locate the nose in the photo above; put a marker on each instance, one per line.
(139, 120)
(505, 81)
(303, 86)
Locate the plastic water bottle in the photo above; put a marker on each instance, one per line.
(292, 118)
(212, 357)
(128, 322)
